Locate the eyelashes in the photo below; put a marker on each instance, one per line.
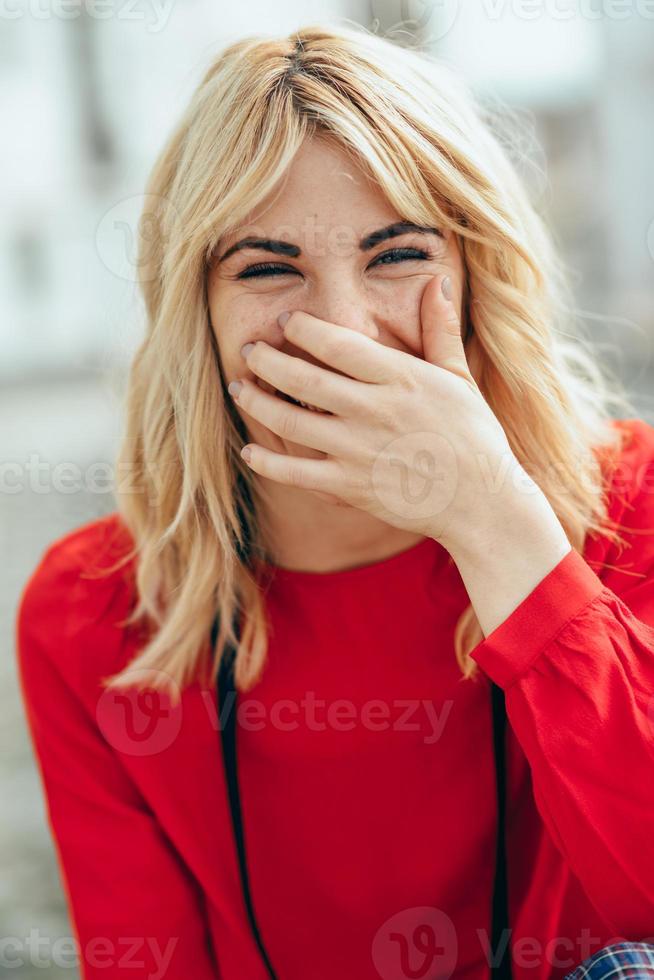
(391, 257)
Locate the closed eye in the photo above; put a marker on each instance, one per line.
(390, 257)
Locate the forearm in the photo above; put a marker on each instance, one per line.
(503, 557)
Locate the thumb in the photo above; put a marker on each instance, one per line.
(441, 327)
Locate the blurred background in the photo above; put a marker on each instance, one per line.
(89, 90)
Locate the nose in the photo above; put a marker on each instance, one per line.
(353, 315)
(344, 306)
(356, 321)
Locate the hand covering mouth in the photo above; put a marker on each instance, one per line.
(289, 398)
(297, 401)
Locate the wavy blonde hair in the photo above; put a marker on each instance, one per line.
(440, 156)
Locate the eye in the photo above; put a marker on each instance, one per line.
(392, 256)
(401, 255)
(265, 269)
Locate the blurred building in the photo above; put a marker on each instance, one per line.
(88, 101)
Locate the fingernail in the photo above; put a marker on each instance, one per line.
(446, 287)
(283, 317)
(234, 388)
(245, 349)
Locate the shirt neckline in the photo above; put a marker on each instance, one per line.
(416, 555)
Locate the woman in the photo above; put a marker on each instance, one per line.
(348, 278)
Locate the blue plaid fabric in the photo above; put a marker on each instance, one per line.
(632, 960)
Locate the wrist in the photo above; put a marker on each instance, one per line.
(519, 522)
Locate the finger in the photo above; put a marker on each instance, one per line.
(292, 471)
(441, 329)
(344, 349)
(309, 382)
(292, 422)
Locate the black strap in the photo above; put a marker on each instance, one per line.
(500, 914)
(227, 721)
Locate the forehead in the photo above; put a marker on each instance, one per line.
(324, 189)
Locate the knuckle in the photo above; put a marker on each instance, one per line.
(357, 487)
(384, 415)
(408, 379)
(298, 377)
(296, 477)
(288, 424)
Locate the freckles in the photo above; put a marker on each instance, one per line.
(403, 310)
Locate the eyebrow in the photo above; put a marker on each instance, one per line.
(365, 244)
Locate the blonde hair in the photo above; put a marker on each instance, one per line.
(439, 156)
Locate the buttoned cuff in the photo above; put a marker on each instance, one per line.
(512, 647)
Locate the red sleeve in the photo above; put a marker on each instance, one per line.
(135, 909)
(576, 662)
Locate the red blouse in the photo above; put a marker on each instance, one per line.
(365, 764)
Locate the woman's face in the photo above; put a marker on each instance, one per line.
(322, 263)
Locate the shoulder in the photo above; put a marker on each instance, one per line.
(84, 554)
(630, 469)
(79, 589)
(629, 494)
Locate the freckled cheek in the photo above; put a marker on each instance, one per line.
(230, 336)
(238, 328)
(402, 316)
